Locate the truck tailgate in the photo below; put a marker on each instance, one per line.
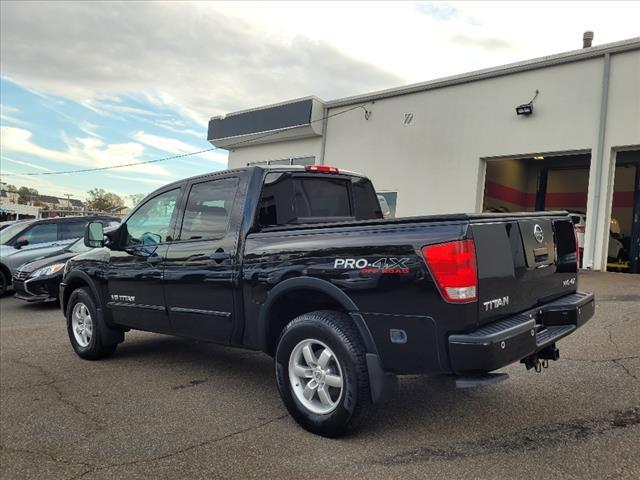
(522, 262)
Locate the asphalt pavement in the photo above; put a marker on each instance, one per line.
(164, 407)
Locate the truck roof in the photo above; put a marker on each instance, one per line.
(271, 168)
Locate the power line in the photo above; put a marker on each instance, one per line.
(182, 155)
(83, 170)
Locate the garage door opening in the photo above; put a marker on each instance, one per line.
(541, 182)
(624, 239)
(557, 182)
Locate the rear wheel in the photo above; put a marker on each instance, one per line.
(84, 328)
(321, 373)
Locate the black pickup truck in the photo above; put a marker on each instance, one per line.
(300, 264)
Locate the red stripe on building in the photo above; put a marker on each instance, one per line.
(623, 199)
(553, 199)
(508, 194)
(566, 200)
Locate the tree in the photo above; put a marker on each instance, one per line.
(10, 188)
(136, 198)
(104, 201)
(26, 195)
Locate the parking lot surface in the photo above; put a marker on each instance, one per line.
(165, 407)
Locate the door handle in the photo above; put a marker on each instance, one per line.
(219, 256)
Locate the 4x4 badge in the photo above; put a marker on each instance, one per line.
(538, 233)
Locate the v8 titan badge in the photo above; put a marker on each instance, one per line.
(390, 265)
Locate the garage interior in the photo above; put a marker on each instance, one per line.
(625, 209)
(561, 182)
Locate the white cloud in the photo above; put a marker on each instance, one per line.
(177, 147)
(203, 59)
(6, 108)
(26, 164)
(82, 152)
(152, 181)
(5, 117)
(420, 41)
(196, 59)
(89, 128)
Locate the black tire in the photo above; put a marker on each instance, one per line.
(96, 347)
(4, 282)
(336, 331)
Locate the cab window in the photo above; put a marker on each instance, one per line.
(151, 223)
(208, 209)
(319, 197)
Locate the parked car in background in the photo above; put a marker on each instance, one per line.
(5, 224)
(39, 280)
(616, 251)
(27, 240)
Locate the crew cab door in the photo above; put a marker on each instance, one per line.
(135, 289)
(201, 266)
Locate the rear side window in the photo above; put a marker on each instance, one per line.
(208, 209)
(365, 200)
(71, 230)
(290, 199)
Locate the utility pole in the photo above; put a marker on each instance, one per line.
(68, 195)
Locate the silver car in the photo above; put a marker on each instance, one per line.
(27, 240)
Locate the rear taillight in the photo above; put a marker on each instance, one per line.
(453, 267)
(322, 169)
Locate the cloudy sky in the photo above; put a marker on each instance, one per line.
(97, 84)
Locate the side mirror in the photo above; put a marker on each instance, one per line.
(94, 235)
(149, 238)
(21, 242)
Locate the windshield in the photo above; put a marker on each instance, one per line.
(78, 246)
(11, 231)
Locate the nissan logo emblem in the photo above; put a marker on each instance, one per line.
(538, 233)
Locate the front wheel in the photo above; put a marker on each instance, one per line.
(321, 373)
(84, 328)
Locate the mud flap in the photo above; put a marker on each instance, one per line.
(381, 384)
(109, 336)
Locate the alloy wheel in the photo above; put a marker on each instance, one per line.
(81, 324)
(316, 376)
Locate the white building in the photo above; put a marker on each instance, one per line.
(457, 144)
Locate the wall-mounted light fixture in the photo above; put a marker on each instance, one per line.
(526, 108)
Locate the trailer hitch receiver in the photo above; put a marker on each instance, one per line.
(540, 360)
